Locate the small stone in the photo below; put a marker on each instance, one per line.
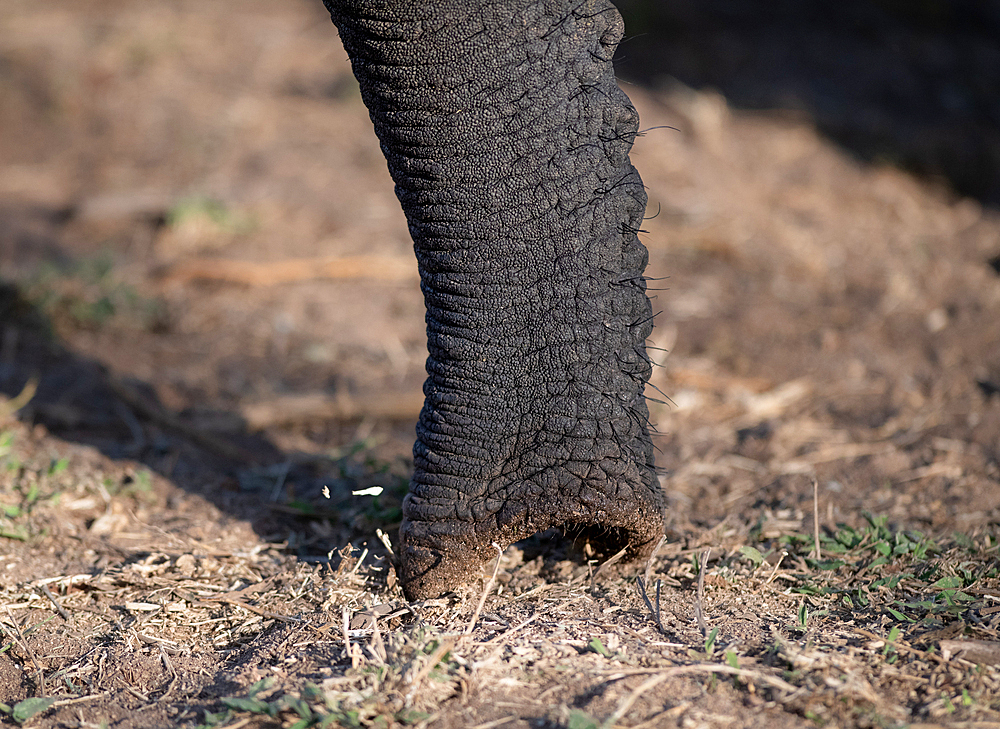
(937, 320)
(186, 564)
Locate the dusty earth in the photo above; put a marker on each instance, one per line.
(210, 317)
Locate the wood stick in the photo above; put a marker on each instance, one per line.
(625, 705)
(486, 590)
(19, 637)
(817, 553)
(699, 612)
(52, 599)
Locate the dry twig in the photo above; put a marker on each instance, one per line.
(777, 564)
(495, 723)
(649, 606)
(447, 643)
(652, 558)
(699, 612)
(975, 651)
(816, 553)
(486, 591)
(18, 636)
(345, 625)
(11, 406)
(524, 623)
(81, 699)
(52, 599)
(614, 559)
(251, 608)
(625, 705)
(900, 646)
(377, 647)
(764, 678)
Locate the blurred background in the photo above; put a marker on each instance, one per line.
(204, 267)
(915, 85)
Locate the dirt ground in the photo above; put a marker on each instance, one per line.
(211, 337)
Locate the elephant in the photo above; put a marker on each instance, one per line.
(508, 140)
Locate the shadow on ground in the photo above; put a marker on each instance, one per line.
(212, 454)
(913, 84)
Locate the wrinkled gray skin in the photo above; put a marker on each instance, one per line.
(508, 140)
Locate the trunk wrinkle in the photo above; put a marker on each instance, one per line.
(508, 139)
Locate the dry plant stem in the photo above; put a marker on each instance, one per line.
(905, 648)
(173, 674)
(17, 402)
(534, 591)
(625, 705)
(652, 557)
(256, 610)
(508, 633)
(655, 612)
(357, 565)
(19, 637)
(138, 694)
(774, 572)
(975, 651)
(699, 612)
(816, 518)
(240, 724)
(658, 719)
(384, 538)
(52, 599)
(659, 585)
(446, 645)
(608, 563)
(377, 646)
(765, 678)
(486, 591)
(345, 626)
(81, 699)
(495, 723)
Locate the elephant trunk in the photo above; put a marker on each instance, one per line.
(508, 140)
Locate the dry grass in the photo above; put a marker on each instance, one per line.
(889, 628)
(829, 345)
